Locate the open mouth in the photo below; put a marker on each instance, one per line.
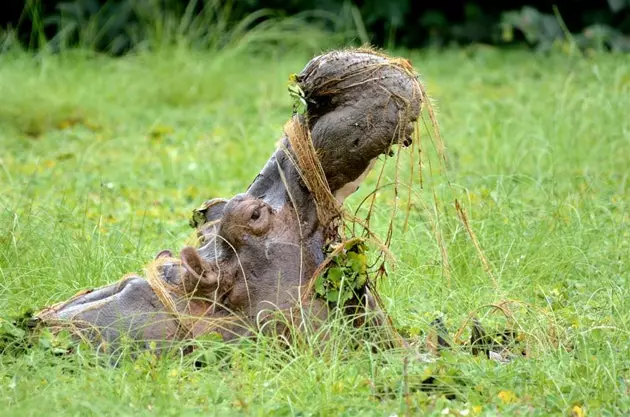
(251, 264)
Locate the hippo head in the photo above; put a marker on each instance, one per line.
(259, 250)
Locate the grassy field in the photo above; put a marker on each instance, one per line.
(102, 160)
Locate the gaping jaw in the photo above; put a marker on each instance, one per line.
(259, 249)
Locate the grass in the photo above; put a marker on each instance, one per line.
(104, 159)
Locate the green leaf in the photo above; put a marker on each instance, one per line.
(347, 272)
(361, 280)
(210, 337)
(617, 5)
(334, 276)
(297, 94)
(332, 296)
(320, 285)
(358, 262)
(345, 296)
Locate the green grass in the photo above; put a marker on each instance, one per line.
(102, 160)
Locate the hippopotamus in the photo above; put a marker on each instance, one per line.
(259, 250)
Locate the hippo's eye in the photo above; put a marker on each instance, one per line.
(256, 214)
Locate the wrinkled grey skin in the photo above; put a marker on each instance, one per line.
(260, 248)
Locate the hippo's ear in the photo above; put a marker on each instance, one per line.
(192, 262)
(200, 278)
